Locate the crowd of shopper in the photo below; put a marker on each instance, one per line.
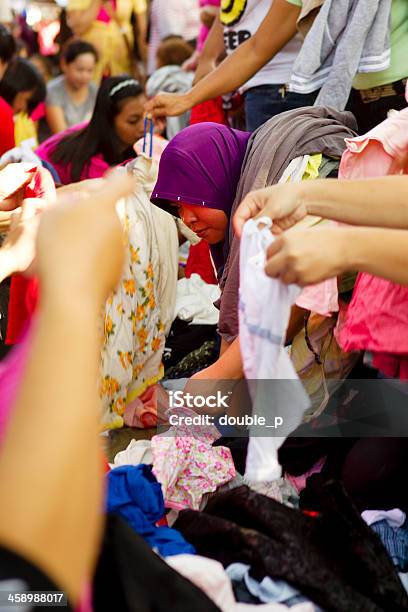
(204, 305)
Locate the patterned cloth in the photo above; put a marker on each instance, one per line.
(187, 465)
(139, 312)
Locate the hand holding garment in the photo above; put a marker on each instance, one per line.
(264, 311)
(187, 465)
(289, 135)
(135, 495)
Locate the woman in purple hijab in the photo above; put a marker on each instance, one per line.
(198, 177)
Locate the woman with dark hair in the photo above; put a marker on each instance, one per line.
(23, 88)
(87, 151)
(71, 96)
(7, 50)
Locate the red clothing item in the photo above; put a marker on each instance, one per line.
(209, 111)
(199, 262)
(23, 291)
(6, 127)
(377, 321)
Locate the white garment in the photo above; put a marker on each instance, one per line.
(195, 301)
(395, 517)
(137, 451)
(171, 17)
(241, 20)
(264, 310)
(210, 576)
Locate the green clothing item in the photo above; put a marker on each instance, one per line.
(398, 68)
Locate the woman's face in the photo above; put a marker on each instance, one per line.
(128, 124)
(21, 101)
(208, 223)
(79, 73)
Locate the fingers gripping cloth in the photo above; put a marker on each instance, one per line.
(264, 311)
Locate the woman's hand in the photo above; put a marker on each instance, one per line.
(307, 257)
(167, 105)
(80, 242)
(283, 204)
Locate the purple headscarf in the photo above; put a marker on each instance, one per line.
(201, 166)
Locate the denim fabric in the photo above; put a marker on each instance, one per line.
(266, 101)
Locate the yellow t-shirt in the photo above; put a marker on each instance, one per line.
(112, 40)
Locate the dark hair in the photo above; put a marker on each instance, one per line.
(76, 48)
(173, 51)
(99, 136)
(20, 76)
(7, 44)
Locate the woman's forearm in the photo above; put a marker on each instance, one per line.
(278, 27)
(381, 202)
(381, 252)
(214, 46)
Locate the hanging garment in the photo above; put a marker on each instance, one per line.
(210, 577)
(264, 311)
(377, 317)
(187, 465)
(139, 313)
(134, 494)
(347, 36)
(334, 558)
(130, 577)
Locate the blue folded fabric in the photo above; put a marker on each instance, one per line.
(136, 496)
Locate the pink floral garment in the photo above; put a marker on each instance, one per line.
(187, 465)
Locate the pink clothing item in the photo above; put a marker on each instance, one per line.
(299, 482)
(321, 298)
(103, 14)
(95, 169)
(187, 465)
(379, 152)
(204, 31)
(377, 317)
(142, 411)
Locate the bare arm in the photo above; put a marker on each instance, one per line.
(312, 256)
(278, 27)
(381, 202)
(50, 461)
(214, 46)
(56, 119)
(141, 19)
(81, 21)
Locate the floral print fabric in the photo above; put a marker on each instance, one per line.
(139, 312)
(187, 465)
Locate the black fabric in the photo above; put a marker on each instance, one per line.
(370, 114)
(334, 559)
(184, 338)
(4, 302)
(15, 567)
(130, 577)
